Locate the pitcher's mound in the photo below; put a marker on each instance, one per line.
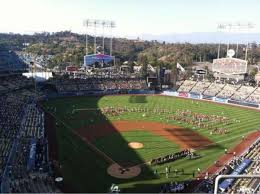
(120, 172)
(135, 145)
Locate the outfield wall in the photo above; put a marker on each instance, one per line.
(166, 92)
(213, 98)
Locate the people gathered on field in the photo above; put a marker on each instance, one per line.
(115, 111)
(216, 124)
(203, 121)
(171, 157)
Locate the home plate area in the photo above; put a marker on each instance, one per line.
(123, 172)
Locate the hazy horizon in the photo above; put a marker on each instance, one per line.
(133, 18)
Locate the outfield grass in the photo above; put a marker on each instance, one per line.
(86, 171)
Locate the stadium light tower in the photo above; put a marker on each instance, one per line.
(96, 24)
(87, 24)
(103, 36)
(111, 26)
(236, 27)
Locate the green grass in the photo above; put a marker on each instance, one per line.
(154, 146)
(86, 171)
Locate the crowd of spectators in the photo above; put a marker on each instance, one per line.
(14, 82)
(21, 121)
(10, 61)
(11, 112)
(228, 91)
(34, 184)
(243, 186)
(200, 87)
(214, 89)
(241, 91)
(186, 86)
(249, 185)
(255, 96)
(90, 84)
(174, 187)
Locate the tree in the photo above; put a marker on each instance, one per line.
(253, 72)
(143, 60)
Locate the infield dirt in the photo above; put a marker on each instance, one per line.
(185, 138)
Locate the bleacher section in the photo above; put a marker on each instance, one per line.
(39, 184)
(243, 92)
(10, 61)
(255, 96)
(14, 82)
(187, 86)
(200, 87)
(178, 84)
(76, 85)
(20, 122)
(242, 186)
(214, 89)
(228, 91)
(249, 185)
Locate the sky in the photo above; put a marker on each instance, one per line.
(132, 17)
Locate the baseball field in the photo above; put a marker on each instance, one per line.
(98, 141)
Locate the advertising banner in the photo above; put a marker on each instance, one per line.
(171, 93)
(227, 182)
(207, 97)
(184, 94)
(222, 100)
(243, 103)
(195, 96)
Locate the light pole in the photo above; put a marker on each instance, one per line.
(95, 24)
(111, 26)
(236, 27)
(86, 23)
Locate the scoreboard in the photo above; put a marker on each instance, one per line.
(229, 66)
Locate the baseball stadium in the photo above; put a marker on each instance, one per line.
(107, 131)
(85, 111)
(129, 140)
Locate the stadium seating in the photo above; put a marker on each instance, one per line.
(239, 185)
(237, 92)
(249, 185)
(214, 89)
(228, 91)
(243, 92)
(186, 86)
(74, 85)
(200, 87)
(255, 96)
(20, 121)
(10, 61)
(15, 82)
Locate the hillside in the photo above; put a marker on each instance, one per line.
(69, 48)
